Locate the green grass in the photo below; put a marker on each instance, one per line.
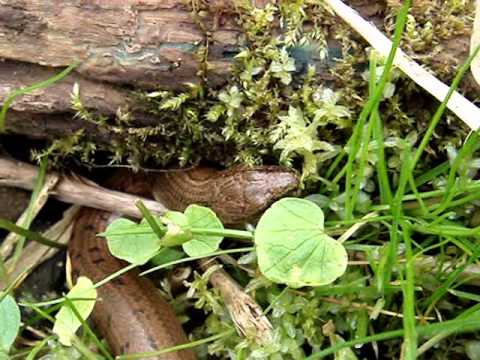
(433, 218)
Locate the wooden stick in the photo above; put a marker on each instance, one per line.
(76, 190)
(9, 242)
(459, 105)
(246, 314)
(35, 253)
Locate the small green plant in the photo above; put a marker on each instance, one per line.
(290, 241)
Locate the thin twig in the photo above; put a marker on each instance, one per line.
(12, 238)
(370, 309)
(76, 190)
(355, 227)
(35, 253)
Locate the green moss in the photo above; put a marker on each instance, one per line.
(240, 122)
(437, 33)
(285, 69)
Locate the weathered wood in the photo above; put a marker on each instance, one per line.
(141, 42)
(149, 43)
(51, 126)
(103, 98)
(48, 113)
(76, 190)
(146, 43)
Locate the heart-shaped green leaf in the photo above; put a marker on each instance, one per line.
(202, 217)
(293, 248)
(135, 243)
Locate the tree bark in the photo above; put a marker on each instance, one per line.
(76, 190)
(145, 43)
(48, 113)
(101, 97)
(148, 44)
(140, 43)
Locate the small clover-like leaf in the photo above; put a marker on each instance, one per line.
(127, 240)
(66, 322)
(293, 248)
(9, 322)
(202, 217)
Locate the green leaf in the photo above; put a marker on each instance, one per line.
(292, 247)
(127, 240)
(66, 323)
(174, 103)
(9, 322)
(178, 229)
(342, 354)
(297, 135)
(166, 255)
(215, 112)
(202, 217)
(282, 67)
(232, 99)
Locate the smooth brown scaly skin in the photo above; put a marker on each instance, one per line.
(237, 195)
(130, 313)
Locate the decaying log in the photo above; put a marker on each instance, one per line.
(144, 43)
(103, 98)
(48, 113)
(50, 126)
(151, 43)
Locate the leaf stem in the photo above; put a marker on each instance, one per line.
(231, 233)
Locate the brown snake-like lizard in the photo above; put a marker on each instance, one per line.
(130, 313)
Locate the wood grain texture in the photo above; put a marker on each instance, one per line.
(75, 189)
(143, 43)
(100, 97)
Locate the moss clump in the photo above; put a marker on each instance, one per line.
(437, 32)
(274, 105)
(295, 89)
